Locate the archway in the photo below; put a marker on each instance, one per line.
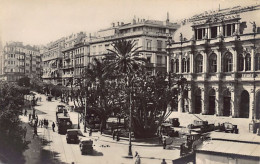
(244, 105)
(212, 104)
(226, 103)
(257, 110)
(197, 101)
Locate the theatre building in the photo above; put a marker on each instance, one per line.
(218, 52)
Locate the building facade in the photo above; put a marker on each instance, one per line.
(20, 61)
(149, 35)
(52, 62)
(75, 57)
(218, 53)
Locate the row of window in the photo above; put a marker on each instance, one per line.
(244, 63)
(212, 32)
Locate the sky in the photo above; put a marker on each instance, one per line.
(38, 22)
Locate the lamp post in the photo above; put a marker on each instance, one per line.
(85, 113)
(130, 154)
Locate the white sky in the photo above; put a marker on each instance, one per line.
(42, 21)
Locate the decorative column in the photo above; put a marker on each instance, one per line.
(218, 62)
(180, 102)
(180, 63)
(217, 102)
(205, 62)
(233, 103)
(190, 97)
(191, 64)
(253, 59)
(218, 30)
(203, 109)
(251, 104)
(235, 66)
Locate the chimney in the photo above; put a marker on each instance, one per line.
(168, 19)
(122, 23)
(113, 24)
(118, 24)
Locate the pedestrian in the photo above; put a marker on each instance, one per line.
(24, 133)
(47, 124)
(164, 143)
(90, 132)
(117, 137)
(41, 122)
(160, 138)
(137, 158)
(163, 161)
(30, 115)
(53, 126)
(25, 112)
(113, 133)
(35, 132)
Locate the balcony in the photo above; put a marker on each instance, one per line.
(247, 76)
(160, 65)
(79, 55)
(79, 65)
(67, 66)
(67, 75)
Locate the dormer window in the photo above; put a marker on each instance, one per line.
(200, 33)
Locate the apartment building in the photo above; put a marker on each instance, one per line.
(218, 52)
(150, 35)
(52, 62)
(19, 60)
(75, 57)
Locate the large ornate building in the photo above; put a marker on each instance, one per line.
(218, 53)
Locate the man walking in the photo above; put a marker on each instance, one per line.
(53, 126)
(35, 132)
(24, 133)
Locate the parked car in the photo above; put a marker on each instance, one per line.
(72, 136)
(168, 130)
(175, 122)
(229, 127)
(86, 146)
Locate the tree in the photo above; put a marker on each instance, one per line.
(96, 75)
(24, 81)
(11, 103)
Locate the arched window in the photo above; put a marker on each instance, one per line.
(240, 62)
(199, 63)
(213, 63)
(248, 62)
(188, 65)
(257, 62)
(183, 65)
(228, 62)
(177, 65)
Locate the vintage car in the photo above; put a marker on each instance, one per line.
(229, 127)
(167, 130)
(72, 136)
(86, 146)
(175, 122)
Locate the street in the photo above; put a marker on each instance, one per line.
(105, 149)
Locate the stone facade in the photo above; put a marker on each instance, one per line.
(219, 55)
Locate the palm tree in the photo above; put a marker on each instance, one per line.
(126, 59)
(96, 75)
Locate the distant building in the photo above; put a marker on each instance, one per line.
(19, 61)
(52, 62)
(150, 35)
(218, 53)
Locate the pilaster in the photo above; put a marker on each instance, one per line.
(251, 104)
(190, 97)
(203, 108)
(180, 102)
(253, 59)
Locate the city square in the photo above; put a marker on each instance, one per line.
(183, 89)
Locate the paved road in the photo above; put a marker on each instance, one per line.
(113, 153)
